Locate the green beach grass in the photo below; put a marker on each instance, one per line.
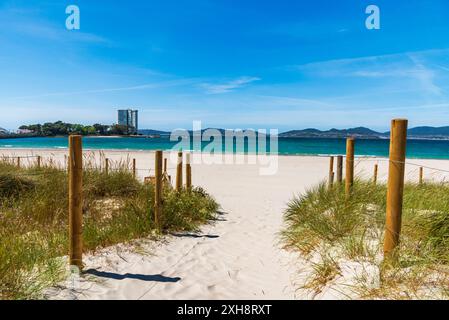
(116, 209)
(332, 232)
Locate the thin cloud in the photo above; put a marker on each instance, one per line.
(426, 76)
(26, 24)
(408, 66)
(228, 86)
(294, 101)
(154, 85)
(45, 31)
(443, 67)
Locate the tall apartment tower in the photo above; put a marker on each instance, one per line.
(129, 118)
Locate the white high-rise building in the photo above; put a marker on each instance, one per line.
(129, 118)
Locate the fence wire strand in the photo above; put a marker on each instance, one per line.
(61, 166)
(17, 157)
(359, 160)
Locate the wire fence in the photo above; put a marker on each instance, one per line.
(36, 164)
(31, 164)
(413, 169)
(17, 157)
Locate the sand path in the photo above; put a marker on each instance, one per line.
(236, 257)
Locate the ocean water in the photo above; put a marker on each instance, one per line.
(428, 149)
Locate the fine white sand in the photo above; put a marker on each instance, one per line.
(237, 257)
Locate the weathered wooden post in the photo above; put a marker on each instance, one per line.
(179, 172)
(395, 191)
(421, 175)
(38, 162)
(18, 162)
(158, 189)
(188, 172)
(349, 181)
(75, 201)
(165, 165)
(339, 169)
(106, 166)
(331, 171)
(134, 168)
(376, 167)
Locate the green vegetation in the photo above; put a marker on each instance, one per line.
(331, 231)
(60, 128)
(117, 208)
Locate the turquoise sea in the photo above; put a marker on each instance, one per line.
(429, 149)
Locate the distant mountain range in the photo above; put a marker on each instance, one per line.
(430, 131)
(149, 132)
(366, 133)
(359, 132)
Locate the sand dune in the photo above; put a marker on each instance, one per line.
(236, 257)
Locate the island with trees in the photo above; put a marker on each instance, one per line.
(59, 128)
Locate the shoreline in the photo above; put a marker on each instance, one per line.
(62, 149)
(435, 169)
(156, 136)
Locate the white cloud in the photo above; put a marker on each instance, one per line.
(425, 76)
(154, 85)
(412, 67)
(228, 86)
(277, 101)
(25, 23)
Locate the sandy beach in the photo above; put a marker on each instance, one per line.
(236, 257)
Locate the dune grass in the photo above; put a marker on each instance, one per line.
(331, 231)
(116, 209)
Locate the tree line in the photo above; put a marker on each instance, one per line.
(60, 128)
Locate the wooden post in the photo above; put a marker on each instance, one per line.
(18, 162)
(349, 181)
(421, 175)
(38, 162)
(179, 172)
(376, 167)
(165, 165)
(395, 191)
(339, 169)
(188, 172)
(134, 168)
(331, 171)
(75, 201)
(158, 189)
(106, 166)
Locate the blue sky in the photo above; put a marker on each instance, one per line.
(234, 64)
